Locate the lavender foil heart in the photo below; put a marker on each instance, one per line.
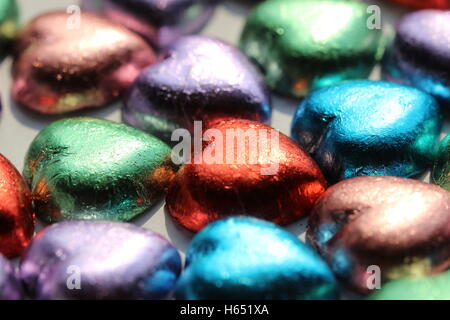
(159, 21)
(201, 78)
(9, 285)
(99, 260)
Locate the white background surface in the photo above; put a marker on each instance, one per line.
(18, 127)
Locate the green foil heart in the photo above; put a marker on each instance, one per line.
(440, 174)
(9, 22)
(86, 168)
(416, 288)
(306, 44)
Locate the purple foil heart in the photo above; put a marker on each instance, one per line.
(201, 78)
(9, 285)
(159, 21)
(99, 260)
(420, 54)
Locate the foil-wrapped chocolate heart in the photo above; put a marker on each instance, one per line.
(66, 62)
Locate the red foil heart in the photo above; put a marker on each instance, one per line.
(16, 213)
(425, 4)
(204, 192)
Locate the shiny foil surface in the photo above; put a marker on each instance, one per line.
(205, 191)
(440, 174)
(416, 288)
(9, 23)
(16, 213)
(363, 127)
(98, 260)
(159, 21)
(399, 225)
(420, 54)
(86, 168)
(246, 259)
(307, 44)
(62, 63)
(10, 288)
(424, 4)
(201, 78)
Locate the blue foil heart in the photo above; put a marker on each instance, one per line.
(246, 258)
(362, 127)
